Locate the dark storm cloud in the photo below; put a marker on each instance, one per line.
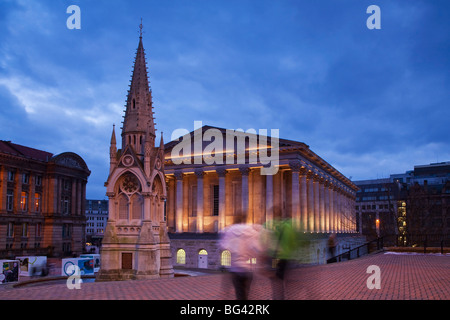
(370, 102)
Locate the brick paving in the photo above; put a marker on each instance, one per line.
(403, 277)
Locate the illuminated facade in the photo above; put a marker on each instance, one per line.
(42, 199)
(205, 196)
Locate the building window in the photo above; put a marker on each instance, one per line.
(38, 229)
(25, 178)
(181, 256)
(66, 230)
(66, 183)
(65, 205)
(25, 229)
(203, 252)
(10, 230)
(37, 202)
(225, 258)
(67, 248)
(38, 181)
(215, 200)
(123, 207)
(11, 176)
(10, 200)
(24, 201)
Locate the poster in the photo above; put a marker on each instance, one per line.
(32, 266)
(9, 271)
(96, 258)
(85, 265)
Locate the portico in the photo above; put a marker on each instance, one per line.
(306, 189)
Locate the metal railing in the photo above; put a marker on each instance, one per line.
(427, 242)
(368, 247)
(422, 242)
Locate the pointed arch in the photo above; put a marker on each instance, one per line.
(123, 207)
(158, 187)
(137, 206)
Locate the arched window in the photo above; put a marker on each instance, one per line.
(225, 258)
(203, 252)
(181, 256)
(137, 206)
(123, 207)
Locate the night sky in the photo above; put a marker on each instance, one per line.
(371, 102)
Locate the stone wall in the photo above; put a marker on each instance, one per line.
(315, 252)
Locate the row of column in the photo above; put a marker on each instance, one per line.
(317, 204)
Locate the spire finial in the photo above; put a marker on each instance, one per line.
(140, 29)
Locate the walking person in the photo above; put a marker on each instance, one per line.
(282, 247)
(242, 240)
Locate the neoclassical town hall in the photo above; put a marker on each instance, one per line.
(203, 197)
(168, 204)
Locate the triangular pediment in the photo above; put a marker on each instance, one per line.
(128, 159)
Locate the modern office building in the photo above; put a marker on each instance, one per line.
(96, 218)
(412, 206)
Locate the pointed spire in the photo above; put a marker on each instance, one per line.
(138, 120)
(112, 150)
(113, 136)
(161, 142)
(140, 29)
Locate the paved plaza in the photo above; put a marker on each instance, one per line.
(403, 277)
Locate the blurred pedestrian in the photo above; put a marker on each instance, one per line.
(281, 251)
(243, 242)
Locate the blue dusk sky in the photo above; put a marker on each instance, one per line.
(371, 102)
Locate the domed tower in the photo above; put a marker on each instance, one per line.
(135, 244)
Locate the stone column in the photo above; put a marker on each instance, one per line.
(327, 206)
(179, 202)
(199, 173)
(316, 204)
(74, 199)
(335, 205)
(222, 198)
(338, 210)
(346, 213)
(321, 205)
(82, 203)
(310, 191)
(244, 173)
(303, 199)
(80, 186)
(269, 198)
(149, 214)
(295, 189)
(331, 193)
